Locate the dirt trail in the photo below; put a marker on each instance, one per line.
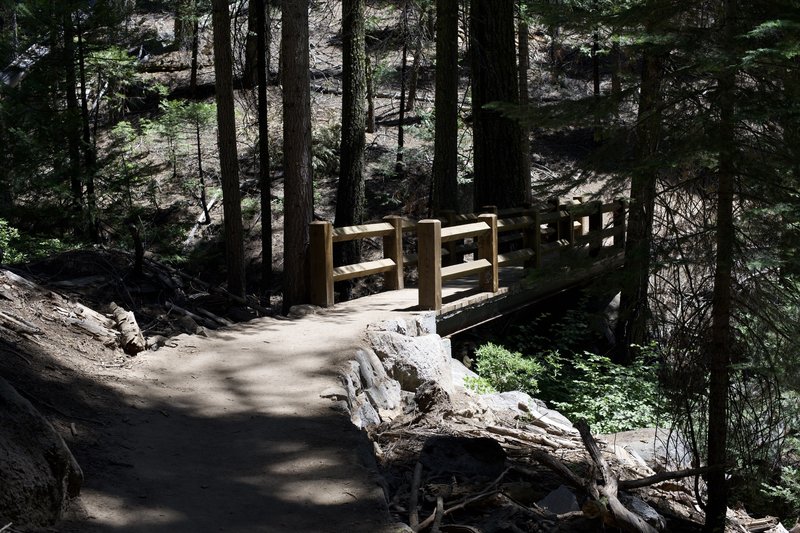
(229, 433)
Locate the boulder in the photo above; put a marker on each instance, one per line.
(38, 472)
(560, 501)
(658, 447)
(419, 325)
(413, 360)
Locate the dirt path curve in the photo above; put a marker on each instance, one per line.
(229, 433)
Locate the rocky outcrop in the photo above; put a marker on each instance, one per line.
(412, 352)
(38, 472)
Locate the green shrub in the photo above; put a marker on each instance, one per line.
(611, 397)
(9, 253)
(507, 371)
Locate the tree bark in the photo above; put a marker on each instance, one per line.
(184, 11)
(719, 357)
(634, 314)
(89, 152)
(250, 74)
(265, 183)
(525, 141)
(496, 138)
(228, 154)
(370, 126)
(73, 114)
(296, 152)
(399, 167)
(445, 147)
(350, 190)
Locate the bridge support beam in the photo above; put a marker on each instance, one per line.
(429, 244)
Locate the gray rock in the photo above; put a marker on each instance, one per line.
(426, 323)
(640, 507)
(413, 360)
(299, 311)
(38, 472)
(364, 415)
(660, 448)
(458, 372)
(560, 501)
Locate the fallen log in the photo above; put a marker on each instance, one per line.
(205, 322)
(616, 514)
(131, 340)
(18, 324)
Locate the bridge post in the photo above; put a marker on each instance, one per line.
(595, 227)
(450, 219)
(487, 249)
(619, 223)
(429, 263)
(321, 234)
(584, 220)
(393, 249)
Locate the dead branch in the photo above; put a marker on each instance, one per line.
(627, 484)
(18, 324)
(619, 515)
(491, 491)
(413, 517)
(152, 263)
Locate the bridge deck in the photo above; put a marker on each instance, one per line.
(465, 305)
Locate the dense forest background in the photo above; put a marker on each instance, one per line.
(208, 135)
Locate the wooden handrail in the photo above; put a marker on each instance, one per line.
(568, 224)
(323, 275)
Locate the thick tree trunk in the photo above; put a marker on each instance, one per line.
(525, 143)
(265, 183)
(634, 313)
(496, 138)
(350, 190)
(228, 154)
(296, 152)
(719, 357)
(445, 146)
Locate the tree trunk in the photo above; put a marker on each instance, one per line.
(228, 154)
(195, 52)
(719, 358)
(525, 144)
(445, 145)
(250, 74)
(89, 154)
(265, 183)
(634, 314)
(350, 190)
(185, 10)
(496, 139)
(296, 152)
(370, 95)
(399, 167)
(73, 114)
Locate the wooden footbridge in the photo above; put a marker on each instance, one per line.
(472, 268)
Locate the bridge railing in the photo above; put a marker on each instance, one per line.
(525, 236)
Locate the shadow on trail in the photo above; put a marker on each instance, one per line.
(158, 465)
